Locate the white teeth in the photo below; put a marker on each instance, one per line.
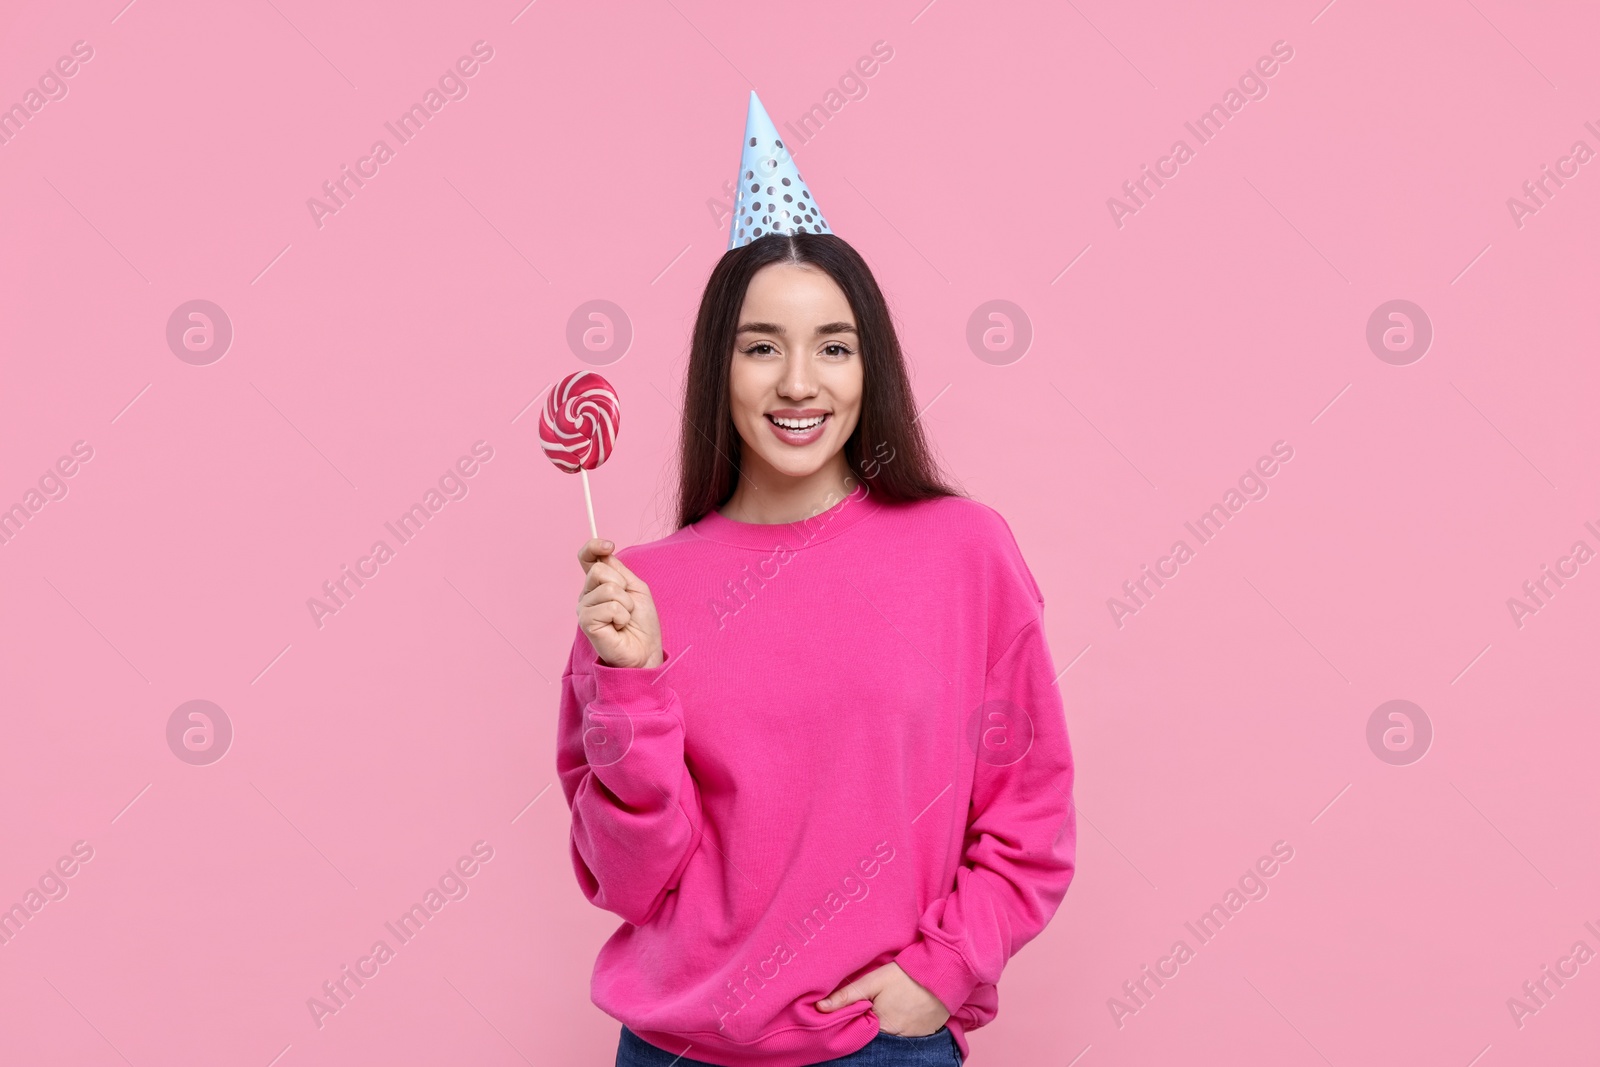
(799, 424)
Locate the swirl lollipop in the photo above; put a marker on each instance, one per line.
(579, 425)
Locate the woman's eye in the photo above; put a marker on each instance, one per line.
(836, 349)
(760, 348)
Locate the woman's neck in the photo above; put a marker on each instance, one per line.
(766, 496)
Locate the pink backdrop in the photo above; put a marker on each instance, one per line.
(1145, 358)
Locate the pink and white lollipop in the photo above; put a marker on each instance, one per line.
(578, 427)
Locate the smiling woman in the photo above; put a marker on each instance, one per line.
(793, 331)
(719, 776)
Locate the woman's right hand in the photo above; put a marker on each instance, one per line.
(616, 611)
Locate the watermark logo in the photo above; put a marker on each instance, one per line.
(796, 933)
(51, 886)
(1252, 85)
(50, 487)
(452, 485)
(1000, 731)
(999, 332)
(1251, 886)
(1539, 591)
(199, 332)
(738, 593)
(852, 85)
(52, 85)
(1399, 332)
(599, 332)
(607, 736)
(1538, 992)
(199, 732)
(452, 85)
(1537, 192)
(1399, 732)
(451, 886)
(1252, 485)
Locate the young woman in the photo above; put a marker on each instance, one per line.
(812, 743)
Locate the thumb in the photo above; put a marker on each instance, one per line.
(861, 989)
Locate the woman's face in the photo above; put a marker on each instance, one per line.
(795, 380)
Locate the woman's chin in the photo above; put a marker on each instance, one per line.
(797, 467)
(791, 461)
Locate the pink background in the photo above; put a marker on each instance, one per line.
(1228, 313)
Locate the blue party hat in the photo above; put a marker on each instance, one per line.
(772, 197)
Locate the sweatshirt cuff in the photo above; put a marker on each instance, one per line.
(939, 969)
(632, 688)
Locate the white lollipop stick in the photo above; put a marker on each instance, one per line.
(588, 502)
(577, 427)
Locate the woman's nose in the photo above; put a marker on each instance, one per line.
(799, 378)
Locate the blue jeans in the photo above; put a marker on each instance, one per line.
(937, 1049)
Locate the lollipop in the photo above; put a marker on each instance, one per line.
(578, 426)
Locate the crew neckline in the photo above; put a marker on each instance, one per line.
(855, 508)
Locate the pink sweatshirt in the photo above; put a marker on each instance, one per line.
(854, 753)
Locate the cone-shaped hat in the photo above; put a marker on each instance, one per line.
(771, 197)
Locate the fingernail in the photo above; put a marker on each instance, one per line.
(606, 544)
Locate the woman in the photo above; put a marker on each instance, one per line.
(811, 741)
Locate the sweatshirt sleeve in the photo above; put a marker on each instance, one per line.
(636, 814)
(1019, 851)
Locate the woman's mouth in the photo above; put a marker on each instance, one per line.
(798, 431)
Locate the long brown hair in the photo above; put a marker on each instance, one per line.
(887, 448)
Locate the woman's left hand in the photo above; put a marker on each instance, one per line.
(903, 1007)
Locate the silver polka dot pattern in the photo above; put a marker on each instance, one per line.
(771, 195)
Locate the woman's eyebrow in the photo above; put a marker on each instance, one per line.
(775, 328)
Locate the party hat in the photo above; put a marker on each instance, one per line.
(772, 197)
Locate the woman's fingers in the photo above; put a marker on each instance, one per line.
(614, 608)
(629, 578)
(601, 572)
(608, 613)
(607, 592)
(593, 549)
(598, 554)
